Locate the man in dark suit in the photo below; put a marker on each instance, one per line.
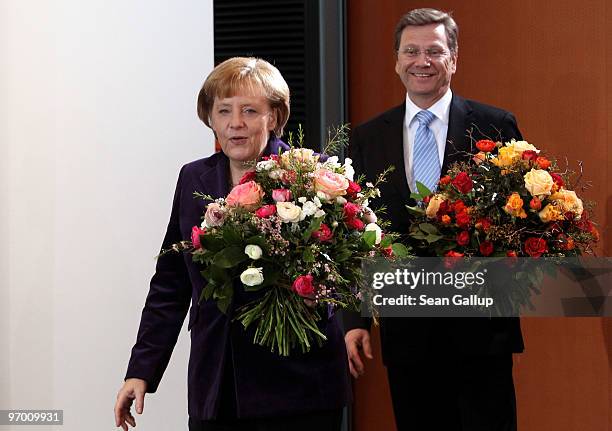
(451, 373)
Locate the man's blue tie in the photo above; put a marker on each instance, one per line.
(425, 160)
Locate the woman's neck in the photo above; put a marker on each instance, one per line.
(237, 170)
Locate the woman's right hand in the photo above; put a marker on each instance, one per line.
(132, 389)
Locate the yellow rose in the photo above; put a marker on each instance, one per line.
(506, 156)
(550, 213)
(434, 205)
(568, 201)
(520, 146)
(538, 182)
(514, 206)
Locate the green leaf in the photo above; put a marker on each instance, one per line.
(416, 196)
(422, 188)
(415, 210)
(258, 240)
(207, 292)
(399, 249)
(428, 228)
(232, 236)
(343, 255)
(212, 242)
(230, 257)
(433, 238)
(386, 241)
(308, 255)
(369, 237)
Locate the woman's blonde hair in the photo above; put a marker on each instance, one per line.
(246, 74)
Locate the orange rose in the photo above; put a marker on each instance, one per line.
(247, 196)
(543, 162)
(485, 145)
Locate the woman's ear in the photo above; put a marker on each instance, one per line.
(273, 120)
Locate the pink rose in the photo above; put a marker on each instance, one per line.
(323, 234)
(303, 285)
(266, 211)
(353, 189)
(214, 215)
(354, 223)
(247, 195)
(329, 183)
(195, 236)
(351, 210)
(281, 195)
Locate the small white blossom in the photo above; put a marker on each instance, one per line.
(369, 184)
(302, 199)
(322, 196)
(265, 165)
(341, 200)
(308, 209)
(334, 223)
(319, 213)
(276, 174)
(317, 202)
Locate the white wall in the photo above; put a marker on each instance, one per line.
(97, 114)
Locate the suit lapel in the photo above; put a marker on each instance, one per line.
(215, 176)
(393, 149)
(457, 141)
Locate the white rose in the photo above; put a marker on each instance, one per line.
(374, 227)
(288, 212)
(538, 182)
(252, 276)
(253, 251)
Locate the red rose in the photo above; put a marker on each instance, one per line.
(445, 180)
(486, 248)
(463, 183)
(463, 238)
(351, 210)
(535, 247)
(535, 203)
(249, 176)
(281, 195)
(459, 206)
(303, 285)
(557, 179)
(195, 236)
(463, 219)
(353, 188)
(444, 208)
(529, 155)
(354, 223)
(453, 253)
(543, 162)
(388, 251)
(511, 253)
(323, 234)
(483, 224)
(485, 145)
(266, 211)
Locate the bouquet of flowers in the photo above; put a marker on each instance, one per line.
(508, 200)
(297, 229)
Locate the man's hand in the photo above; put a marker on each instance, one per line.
(357, 339)
(132, 389)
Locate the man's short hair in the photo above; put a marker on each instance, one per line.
(426, 16)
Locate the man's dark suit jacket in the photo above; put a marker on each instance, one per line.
(265, 383)
(377, 145)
